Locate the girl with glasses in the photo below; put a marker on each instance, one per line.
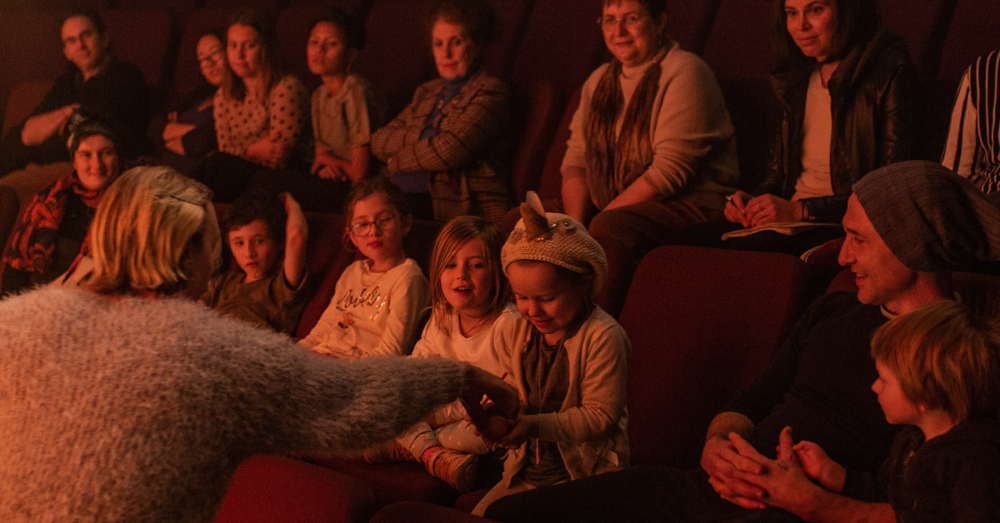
(378, 300)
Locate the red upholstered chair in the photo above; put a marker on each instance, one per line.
(413, 511)
(550, 184)
(743, 76)
(690, 22)
(268, 489)
(513, 17)
(538, 109)
(739, 43)
(395, 482)
(923, 29)
(9, 210)
(22, 99)
(31, 48)
(145, 38)
(561, 43)
(973, 32)
(703, 323)
(398, 56)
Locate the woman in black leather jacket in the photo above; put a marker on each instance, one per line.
(846, 88)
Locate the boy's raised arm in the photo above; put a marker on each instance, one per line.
(296, 234)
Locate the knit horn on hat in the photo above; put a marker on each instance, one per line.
(557, 239)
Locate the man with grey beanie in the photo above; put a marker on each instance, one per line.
(909, 225)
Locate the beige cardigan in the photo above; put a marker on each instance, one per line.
(590, 427)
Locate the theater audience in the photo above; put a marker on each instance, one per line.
(819, 383)
(124, 401)
(449, 150)
(845, 86)
(187, 134)
(53, 227)
(973, 147)
(261, 113)
(652, 148)
(96, 83)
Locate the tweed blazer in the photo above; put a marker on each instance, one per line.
(468, 162)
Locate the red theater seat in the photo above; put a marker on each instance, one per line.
(22, 99)
(703, 323)
(973, 32)
(923, 29)
(690, 22)
(267, 489)
(561, 43)
(396, 36)
(539, 107)
(413, 511)
(144, 38)
(512, 17)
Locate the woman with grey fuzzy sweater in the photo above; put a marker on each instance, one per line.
(122, 401)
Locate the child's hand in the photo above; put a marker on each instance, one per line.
(818, 466)
(524, 428)
(328, 166)
(346, 320)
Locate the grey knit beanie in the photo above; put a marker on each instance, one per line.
(932, 219)
(557, 239)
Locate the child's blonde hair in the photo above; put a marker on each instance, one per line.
(944, 357)
(452, 237)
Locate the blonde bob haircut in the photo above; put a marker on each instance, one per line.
(144, 224)
(944, 357)
(455, 234)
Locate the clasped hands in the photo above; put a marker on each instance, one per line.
(750, 211)
(792, 481)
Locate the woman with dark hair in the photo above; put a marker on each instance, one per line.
(53, 228)
(449, 150)
(845, 86)
(187, 134)
(346, 108)
(261, 113)
(95, 83)
(652, 147)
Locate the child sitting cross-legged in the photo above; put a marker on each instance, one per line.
(939, 373)
(566, 356)
(470, 299)
(267, 236)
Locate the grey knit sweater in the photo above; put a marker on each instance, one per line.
(141, 409)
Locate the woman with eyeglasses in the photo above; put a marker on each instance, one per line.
(449, 150)
(187, 134)
(652, 148)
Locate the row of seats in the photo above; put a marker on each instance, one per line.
(702, 323)
(546, 51)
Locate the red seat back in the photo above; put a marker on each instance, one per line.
(703, 323)
(276, 488)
